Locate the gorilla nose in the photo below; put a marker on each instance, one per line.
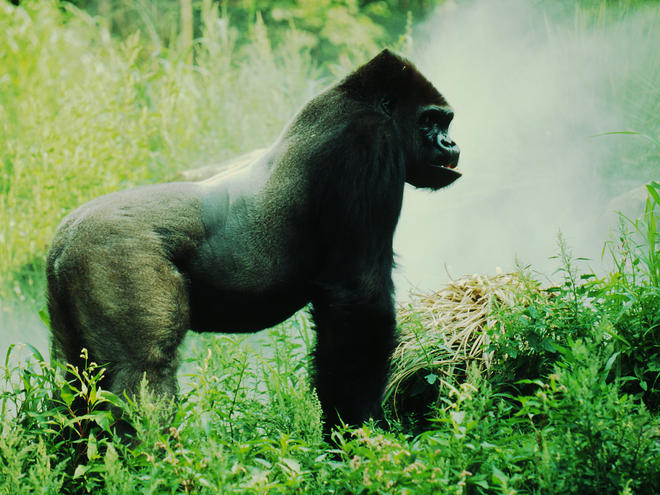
(445, 142)
(449, 150)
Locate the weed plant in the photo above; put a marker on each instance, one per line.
(623, 308)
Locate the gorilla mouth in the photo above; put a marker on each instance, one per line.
(441, 175)
(445, 150)
(445, 154)
(445, 163)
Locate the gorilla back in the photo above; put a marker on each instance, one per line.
(312, 220)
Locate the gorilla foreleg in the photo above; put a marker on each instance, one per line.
(352, 355)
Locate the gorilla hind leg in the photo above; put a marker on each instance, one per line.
(160, 380)
(152, 357)
(160, 388)
(132, 321)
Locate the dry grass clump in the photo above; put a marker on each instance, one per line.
(444, 332)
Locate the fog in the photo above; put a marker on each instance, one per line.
(529, 101)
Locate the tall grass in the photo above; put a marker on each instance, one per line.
(83, 113)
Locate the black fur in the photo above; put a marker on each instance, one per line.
(312, 220)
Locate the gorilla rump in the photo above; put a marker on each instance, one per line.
(311, 220)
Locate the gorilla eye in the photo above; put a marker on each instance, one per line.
(433, 116)
(387, 106)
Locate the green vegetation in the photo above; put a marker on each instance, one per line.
(327, 28)
(569, 404)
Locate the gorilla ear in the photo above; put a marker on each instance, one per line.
(387, 106)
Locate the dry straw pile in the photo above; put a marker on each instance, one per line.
(444, 332)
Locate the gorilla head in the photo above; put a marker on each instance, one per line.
(309, 221)
(420, 113)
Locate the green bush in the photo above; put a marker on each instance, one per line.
(595, 440)
(623, 306)
(329, 29)
(631, 300)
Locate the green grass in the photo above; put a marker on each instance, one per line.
(571, 405)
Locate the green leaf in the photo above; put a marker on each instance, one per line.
(651, 188)
(548, 345)
(92, 449)
(103, 418)
(431, 378)
(66, 396)
(80, 471)
(482, 483)
(499, 478)
(610, 361)
(45, 317)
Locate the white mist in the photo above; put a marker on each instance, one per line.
(528, 96)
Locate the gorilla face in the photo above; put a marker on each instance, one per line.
(437, 154)
(420, 114)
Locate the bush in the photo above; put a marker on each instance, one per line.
(592, 438)
(624, 307)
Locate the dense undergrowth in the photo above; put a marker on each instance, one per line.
(570, 404)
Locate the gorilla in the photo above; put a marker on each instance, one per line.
(309, 221)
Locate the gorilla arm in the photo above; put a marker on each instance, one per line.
(353, 307)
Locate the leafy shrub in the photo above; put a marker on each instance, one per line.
(592, 438)
(631, 299)
(624, 306)
(329, 29)
(526, 339)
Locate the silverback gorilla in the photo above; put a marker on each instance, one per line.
(310, 221)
